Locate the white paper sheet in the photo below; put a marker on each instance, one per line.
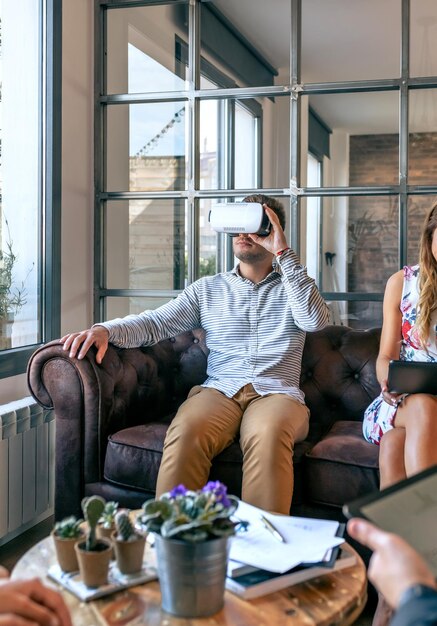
(306, 540)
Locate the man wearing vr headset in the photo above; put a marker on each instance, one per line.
(255, 318)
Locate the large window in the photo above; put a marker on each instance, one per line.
(334, 114)
(29, 184)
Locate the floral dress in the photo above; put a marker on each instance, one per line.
(379, 415)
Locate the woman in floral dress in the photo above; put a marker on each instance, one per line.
(405, 426)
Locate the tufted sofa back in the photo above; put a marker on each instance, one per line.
(338, 373)
(148, 384)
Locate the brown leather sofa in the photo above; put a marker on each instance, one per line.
(111, 419)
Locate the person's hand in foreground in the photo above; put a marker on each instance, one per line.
(29, 602)
(79, 343)
(395, 566)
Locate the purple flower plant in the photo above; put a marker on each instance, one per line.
(179, 490)
(192, 515)
(219, 491)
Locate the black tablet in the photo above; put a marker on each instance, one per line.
(408, 508)
(412, 377)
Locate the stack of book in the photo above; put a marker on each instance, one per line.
(278, 551)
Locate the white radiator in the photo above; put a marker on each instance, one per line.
(27, 441)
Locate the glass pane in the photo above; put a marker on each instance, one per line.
(423, 45)
(146, 147)
(211, 243)
(418, 207)
(146, 244)
(246, 147)
(356, 135)
(360, 314)
(245, 45)
(144, 48)
(20, 173)
(422, 156)
(119, 307)
(358, 241)
(343, 40)
(234, 153)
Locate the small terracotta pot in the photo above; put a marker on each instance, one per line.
(65, 552)
(105, 533)
(94, 566)
(129, 554)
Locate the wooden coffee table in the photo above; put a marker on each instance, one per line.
(335, 598)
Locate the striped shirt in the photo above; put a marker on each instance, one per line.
(255, 333)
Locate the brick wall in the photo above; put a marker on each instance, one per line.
(374, 220)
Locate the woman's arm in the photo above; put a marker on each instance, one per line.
(391, 335)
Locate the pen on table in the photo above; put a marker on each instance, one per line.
(271, 528)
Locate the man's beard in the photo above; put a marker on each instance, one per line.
(251, 256)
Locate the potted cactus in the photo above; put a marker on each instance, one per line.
(65, 535)
(106, 525)
(93, 554)
(128, 544)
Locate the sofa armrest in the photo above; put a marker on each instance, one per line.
(90, 402)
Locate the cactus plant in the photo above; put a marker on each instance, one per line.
(69, 528)
(128, 544)
(92, 508)
(108, 515)
(65, 535)
(125, 530)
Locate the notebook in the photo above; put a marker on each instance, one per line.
(260, 582)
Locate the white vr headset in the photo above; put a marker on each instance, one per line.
(234, 218)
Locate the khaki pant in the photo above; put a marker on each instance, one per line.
(208, 421)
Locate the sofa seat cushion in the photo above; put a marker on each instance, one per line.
(134, 455)
(341, 466)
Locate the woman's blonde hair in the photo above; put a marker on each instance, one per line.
(427, 302)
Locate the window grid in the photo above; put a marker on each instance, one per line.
(294, 192)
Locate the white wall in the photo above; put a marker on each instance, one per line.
(77, 181)
(77, 165)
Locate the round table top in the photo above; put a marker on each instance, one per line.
(336, 597)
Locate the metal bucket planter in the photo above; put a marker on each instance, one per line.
(192, 575)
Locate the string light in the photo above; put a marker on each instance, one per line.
(176, 119)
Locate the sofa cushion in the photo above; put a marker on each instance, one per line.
(134, 454)
(341, 466)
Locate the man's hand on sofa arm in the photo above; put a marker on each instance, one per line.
(79, 343)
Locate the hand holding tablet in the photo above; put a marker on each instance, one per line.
(408, 508)
(412, 377)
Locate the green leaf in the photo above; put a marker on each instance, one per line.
(158, 507)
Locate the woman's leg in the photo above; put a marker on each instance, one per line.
(415, 434)
(391, 457)
(391, 470)
(418, 415)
